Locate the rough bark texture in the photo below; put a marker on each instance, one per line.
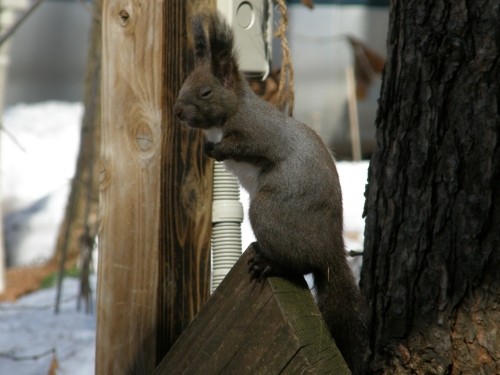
(432, 250)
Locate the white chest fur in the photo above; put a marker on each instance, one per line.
(247, 174)
(213, 135)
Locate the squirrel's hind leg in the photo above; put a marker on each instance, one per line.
(259, 267)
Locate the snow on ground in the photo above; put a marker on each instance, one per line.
(38, 156)
(30, 332)
(39, 147)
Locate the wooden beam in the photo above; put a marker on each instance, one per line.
(252, 328)
(155, 190)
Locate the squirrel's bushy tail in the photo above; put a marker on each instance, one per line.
(344, 311)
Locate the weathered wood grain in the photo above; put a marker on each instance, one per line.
(251, 328)
(132, 69)
(155, 190)
(186, 185)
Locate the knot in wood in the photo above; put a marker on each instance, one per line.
(144, 137)
(104, 175)
(124, 17)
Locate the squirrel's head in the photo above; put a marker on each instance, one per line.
(209, 96)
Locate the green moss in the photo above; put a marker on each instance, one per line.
(51, 279)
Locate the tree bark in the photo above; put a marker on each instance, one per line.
(432, 237)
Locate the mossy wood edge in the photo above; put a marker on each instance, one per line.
(247, 327)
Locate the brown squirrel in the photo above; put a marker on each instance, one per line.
(295, 197)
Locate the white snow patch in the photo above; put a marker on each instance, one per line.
(38, 150)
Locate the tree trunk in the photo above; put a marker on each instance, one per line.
(80, 219)
(432, 248)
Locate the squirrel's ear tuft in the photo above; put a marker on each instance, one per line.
(224, 60)
(201, 47)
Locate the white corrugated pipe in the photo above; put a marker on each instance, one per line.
(227, 216)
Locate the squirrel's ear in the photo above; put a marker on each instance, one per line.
(201, 47)
(224, 61)
(225, 68)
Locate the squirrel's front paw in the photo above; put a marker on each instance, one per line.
(208, 149)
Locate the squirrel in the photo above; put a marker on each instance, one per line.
(295, 195)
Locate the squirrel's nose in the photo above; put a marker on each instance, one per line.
(178, 111)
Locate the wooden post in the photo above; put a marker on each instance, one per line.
(155, 209)
(186, 205)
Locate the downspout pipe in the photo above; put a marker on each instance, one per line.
(251, 21)
(227, 216)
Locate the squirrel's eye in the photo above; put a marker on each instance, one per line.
(205, 92)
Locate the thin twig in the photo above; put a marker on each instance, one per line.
(12, 137)
(33, 357)
(355, 253)
(4, 36)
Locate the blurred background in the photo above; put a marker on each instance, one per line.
(46, 59)
(47, 54)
